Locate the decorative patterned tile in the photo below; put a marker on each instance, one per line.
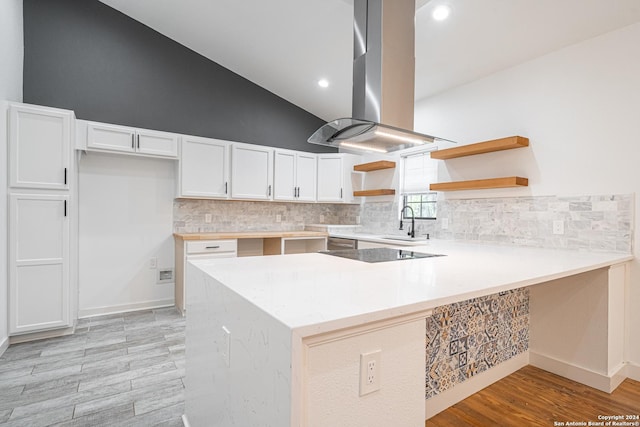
(469, 337)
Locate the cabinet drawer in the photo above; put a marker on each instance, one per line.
(212, 246)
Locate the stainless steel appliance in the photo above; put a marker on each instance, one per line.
(338, 243)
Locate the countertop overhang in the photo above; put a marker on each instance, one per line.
(316, 293)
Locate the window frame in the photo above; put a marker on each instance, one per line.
(434, 202)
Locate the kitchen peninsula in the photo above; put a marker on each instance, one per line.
(279, 340)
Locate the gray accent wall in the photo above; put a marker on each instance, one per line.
(85, 56)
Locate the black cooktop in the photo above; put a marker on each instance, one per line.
(379, 254)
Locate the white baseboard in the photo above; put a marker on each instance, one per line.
(124, 308)
(461, 391)
(185, 421)
(53, 333)
(4, 345)
(582, 375)
(633, 371)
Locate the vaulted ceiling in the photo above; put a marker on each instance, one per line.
(286, 46)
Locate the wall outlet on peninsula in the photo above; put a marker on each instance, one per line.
(370, 372)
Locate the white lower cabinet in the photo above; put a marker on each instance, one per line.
(39, 281)
(251, 172)
(197, 249)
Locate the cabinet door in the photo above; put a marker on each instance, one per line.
(204, 167)
(251, 172)
(38, 262)
(39, 147)
(306, 175)
(284, 175)
(110, 137)
(330, 174)
(157, 143)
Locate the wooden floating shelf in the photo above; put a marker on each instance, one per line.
(481, 148)
(380, 192)
(374, 166)
(481, 184)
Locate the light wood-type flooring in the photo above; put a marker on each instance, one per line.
(533, 397)
(116, 370)
(128, 370)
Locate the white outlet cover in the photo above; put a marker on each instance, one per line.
(558, 226)
(445, 223)
(370, 372)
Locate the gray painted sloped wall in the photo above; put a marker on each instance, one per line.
(85, 56)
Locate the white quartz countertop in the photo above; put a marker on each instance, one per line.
(315, 293)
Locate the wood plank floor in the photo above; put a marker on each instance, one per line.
(117, 370)
(533, 397)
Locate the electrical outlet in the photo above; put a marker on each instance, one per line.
(153, 263)
(278, 218)
(226, 346)
(207, 218)
(370, 372)
(358, 219)
(558, 226)
(321, 219)
(445, 223)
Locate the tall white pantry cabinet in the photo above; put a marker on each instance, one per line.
(41, 213)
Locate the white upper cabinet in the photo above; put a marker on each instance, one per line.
(284, 178)
(306, 176)
(204, 168)
(251, 172)
(294, 176)
(106, 137)
(39, 283)
(334, 177)
(39, 147)
(111, 137)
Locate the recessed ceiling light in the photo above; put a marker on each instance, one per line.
(323, 83)
(441, 12)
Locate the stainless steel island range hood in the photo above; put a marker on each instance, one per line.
(383, 81)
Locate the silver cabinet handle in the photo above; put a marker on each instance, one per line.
(138, 142)
(225, 187)
(269, 191)
(213, 247)
(341, 193)
(133, 142)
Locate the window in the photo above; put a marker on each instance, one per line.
(423, 205)
(419, 170)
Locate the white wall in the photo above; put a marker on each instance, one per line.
(579, 107)
(126, 208)
(11, 53)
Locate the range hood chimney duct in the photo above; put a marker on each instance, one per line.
(383, 81)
